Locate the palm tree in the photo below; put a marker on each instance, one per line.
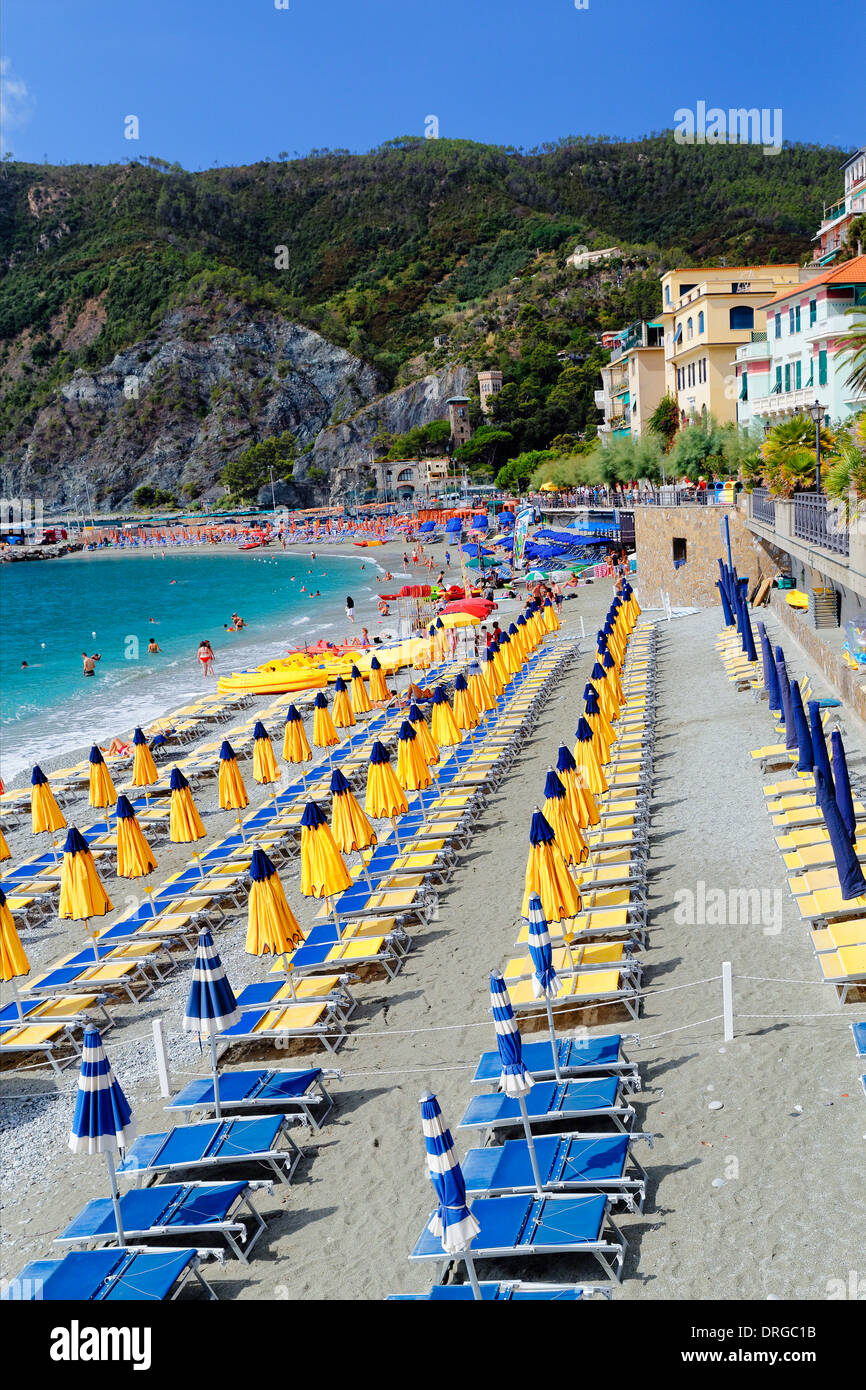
(854, 354)
(788, 453)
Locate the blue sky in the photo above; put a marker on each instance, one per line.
(232, 81)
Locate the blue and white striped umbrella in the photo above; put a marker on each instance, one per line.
(211, 1006)
(515, 1079)
(452, 1221)
(545, 981)
(103, 1121)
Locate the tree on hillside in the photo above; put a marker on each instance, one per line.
(251, 470)
(484, 450)
(515, 475)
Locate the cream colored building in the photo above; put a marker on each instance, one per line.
(707, 313)
(633, 382)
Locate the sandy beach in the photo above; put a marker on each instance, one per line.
(757, 1199)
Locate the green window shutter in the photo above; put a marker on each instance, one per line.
(787, 376)
(822, 367)
(744, 389)
(798, 375)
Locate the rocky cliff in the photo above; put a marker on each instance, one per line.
(173, 409)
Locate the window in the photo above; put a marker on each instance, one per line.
(778, 323)
(680, 549)
(667, 294)
(813, 311)
(790, 320)
(701, 321)
(742, 316)
(778, 386)
(405, 475)
(689, 329)
(798, 375)
(744, 386)
(822, 367)
(797, 319)
(787, 376)
(679, 334)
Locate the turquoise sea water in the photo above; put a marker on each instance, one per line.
(53, 610)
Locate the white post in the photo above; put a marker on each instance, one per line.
(728, 1000)
(582, 627)
(161, 1059)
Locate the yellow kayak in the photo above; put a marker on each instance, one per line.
(797, 598)
(311, 673)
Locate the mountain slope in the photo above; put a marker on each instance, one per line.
(377, 253)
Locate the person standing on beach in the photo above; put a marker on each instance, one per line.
(350, 608)
(206, 657)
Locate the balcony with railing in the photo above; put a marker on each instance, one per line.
(815, 521)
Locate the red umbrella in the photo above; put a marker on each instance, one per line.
(475, 607)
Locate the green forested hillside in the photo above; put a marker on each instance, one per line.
(382, 251)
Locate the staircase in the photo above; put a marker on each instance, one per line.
(822, 608)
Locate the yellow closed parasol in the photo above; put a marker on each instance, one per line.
(265, 768)
(184, 821)
(344, 716)
(232, 792)
(82, 895)
(548, 876)
(296, 747)
(135, 857)
(358, 693)
(443, 724)
(101, 791)
(45, 814)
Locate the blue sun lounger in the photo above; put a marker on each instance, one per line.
(859, 1031)
(551, 1103)
(301, 1091)
(181, 1211)
(521, 1226)
(502, 1293)
(264, 1140)
(107, 1276)
(577, 1057)
(566, 1164)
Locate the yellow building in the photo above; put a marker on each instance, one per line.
(708, 312)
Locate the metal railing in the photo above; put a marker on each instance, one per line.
(815, 523)
(763, 506)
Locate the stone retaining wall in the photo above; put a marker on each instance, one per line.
(693, 583)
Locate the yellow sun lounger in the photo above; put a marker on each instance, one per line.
(813, 835)
(807, 857)
(839, 934)
(819, 897)
(319, 1020)
(846, 969)
(593, 988)
(592, 955)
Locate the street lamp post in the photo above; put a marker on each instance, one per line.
(273, 498)
(817, 413)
